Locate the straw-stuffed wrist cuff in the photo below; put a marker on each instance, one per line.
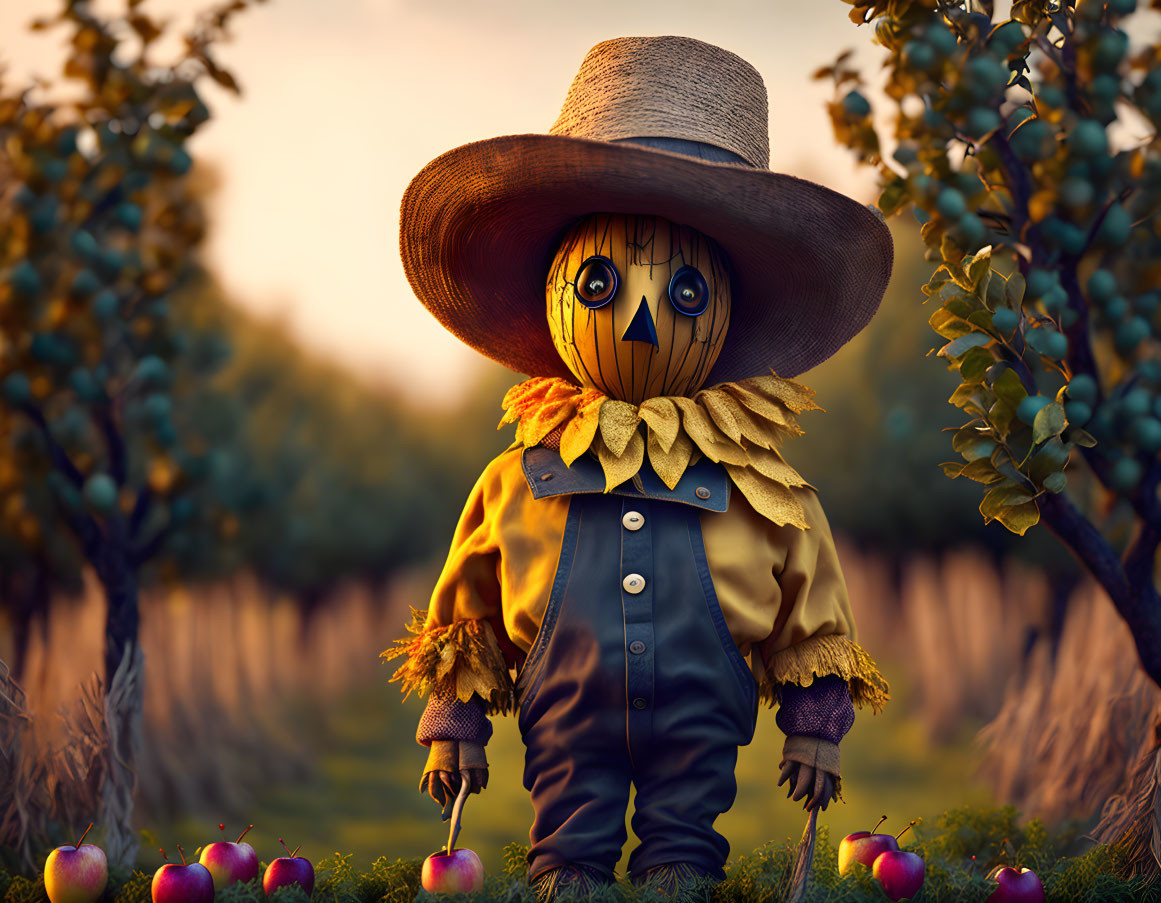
(447, 718)
(820, 656)
(461, 659)
(822, 710)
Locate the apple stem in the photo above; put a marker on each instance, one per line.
(882, 818)
(910, 824)
(181, 852)
(243, 834)
(285, 847)
(296, 849)
(82, 840)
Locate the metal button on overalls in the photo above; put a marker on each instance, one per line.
(633, 678)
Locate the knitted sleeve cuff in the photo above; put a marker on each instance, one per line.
(448, 718)
(823, 709)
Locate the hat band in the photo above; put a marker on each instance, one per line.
(696, 149)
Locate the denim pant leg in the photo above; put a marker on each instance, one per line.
(579, 797)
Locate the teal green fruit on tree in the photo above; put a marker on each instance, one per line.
(919, 55)
(1145, 434)
(1005, 320)
(1115, 227)
(1088, 139)
(951, 204)
(1102, 286)
(24, 279)
(1130, 334)
(1077, 412)
(17, 388)
(1040, 282)
(100, 492)
(1125, 474)
(1030, 406)
(1083, 387)
(1116, 308)
(856, 105)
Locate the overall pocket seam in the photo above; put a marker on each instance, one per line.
(741, 670)
(531, 664)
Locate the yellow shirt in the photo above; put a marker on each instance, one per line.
(780, 588)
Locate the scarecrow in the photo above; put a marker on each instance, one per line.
(642, 559)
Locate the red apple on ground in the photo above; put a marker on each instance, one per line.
(457, 872)
(173, 883)
(452, 871)
(1021, 886)
(863, 847)
(287, 870)
(230, 861)
(76, 874)
(900, 873)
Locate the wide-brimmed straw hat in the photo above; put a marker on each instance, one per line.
(666, 126)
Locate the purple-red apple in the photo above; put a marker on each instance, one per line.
(76, 874)
(287, 870)
(173, 883)
(863, 846)
(1021, 886)
(230, 861)
(899, 872)
(457, 872)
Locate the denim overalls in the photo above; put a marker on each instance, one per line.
(633, 676)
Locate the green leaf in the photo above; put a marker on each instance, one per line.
(1008, 388)
(1001, 415)
(1081, 437)
(894, 197)
(1014, 289)
(1055, 482)
(981, 318)
(949, 325)
(974, 365)
(1018, 518)
(982, 470)
(1003, 496)
(959, 346)
(952, 469)
(969, 397)
(1050, 421)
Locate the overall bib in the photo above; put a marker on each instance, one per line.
(633, 676)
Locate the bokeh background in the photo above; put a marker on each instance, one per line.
(266, 702)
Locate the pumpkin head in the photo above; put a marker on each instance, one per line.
(638, 306)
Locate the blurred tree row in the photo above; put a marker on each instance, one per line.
(147, 430)
(1028, 151)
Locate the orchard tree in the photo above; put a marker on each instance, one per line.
(97, 232)
(1028, 150)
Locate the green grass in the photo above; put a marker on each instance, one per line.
(957, 851)
(364, 798)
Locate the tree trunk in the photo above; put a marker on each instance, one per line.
(1132, 819)
(124, 695)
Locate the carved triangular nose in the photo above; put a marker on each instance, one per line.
(641, 329)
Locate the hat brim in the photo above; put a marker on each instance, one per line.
(479, 226)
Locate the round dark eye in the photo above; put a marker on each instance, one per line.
(688, 292)
(596, 283)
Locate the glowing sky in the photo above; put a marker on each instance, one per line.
(345, 100)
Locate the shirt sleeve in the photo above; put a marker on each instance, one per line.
(814, 630)
(457, 646)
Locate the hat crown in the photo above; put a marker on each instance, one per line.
(669, 87)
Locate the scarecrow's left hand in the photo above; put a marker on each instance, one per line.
(810, 768)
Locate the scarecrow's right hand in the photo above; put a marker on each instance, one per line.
(449, 762)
